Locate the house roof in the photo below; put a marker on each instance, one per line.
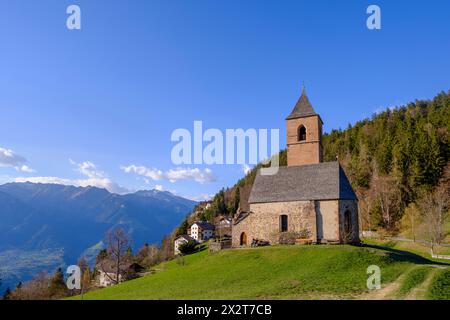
(109, 266)
(185, 237)
(204, 225)
(322, 181)
(302, 108)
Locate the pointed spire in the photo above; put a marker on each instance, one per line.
(303, 108)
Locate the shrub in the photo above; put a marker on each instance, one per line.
(287, 237)
(305, 234)
(188, 247)
(180, 260)
(290, 237)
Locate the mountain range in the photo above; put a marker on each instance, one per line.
(43, 226)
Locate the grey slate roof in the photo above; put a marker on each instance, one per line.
(322, 181)
(303, 108)
(185, 237)
(204, 225)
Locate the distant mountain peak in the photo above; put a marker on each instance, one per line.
(81, 189)
(151, 192)
(39, 217)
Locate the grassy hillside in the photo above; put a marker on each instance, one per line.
(278, 272)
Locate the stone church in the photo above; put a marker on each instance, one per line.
(307, 199)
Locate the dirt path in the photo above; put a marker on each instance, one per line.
(419, 292)
(390, 290)
(385, 293)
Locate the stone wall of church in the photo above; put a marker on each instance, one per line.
(264, 221)
(327, 221)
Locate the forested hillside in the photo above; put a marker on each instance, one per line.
(397, 162)
(395, 158)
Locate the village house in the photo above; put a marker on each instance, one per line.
(222, 226)
(107, 272)
(307, 199)
(106, 278)
(201, 231)
(179, 241)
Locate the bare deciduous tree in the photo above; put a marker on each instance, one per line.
(411, 220)
(434, 207)
(389, 198)
(35, 289)
(118, 243)
(364, 208)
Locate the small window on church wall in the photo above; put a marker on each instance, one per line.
(301, 133)
(283, 223)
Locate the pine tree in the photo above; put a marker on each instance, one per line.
(183, 228)
(102, 255)
(236, 201)
(86, 281)
(57, 286)
(8, 294)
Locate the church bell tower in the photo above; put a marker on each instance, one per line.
(304, 134)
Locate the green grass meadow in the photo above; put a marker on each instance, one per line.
(440, 287)
(277, 272)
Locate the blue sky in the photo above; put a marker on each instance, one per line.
(77, 106)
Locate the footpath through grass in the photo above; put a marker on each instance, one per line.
(427, 282)
(278, 272)
(413, 279)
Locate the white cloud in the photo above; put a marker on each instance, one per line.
(8, 158)
(96, 178)
(53, 180)
(25, 168)
(196, 174)
(93, 177)
(201, 197)
(391, 107)
(89, 170)
(159, 187)
(173, 175)
(246, 168)
(153, 174)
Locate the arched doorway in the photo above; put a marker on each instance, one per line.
(347, 225)
(243, 239)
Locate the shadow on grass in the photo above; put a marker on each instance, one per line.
(202, 247)
(403, 256)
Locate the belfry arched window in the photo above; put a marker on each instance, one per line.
(301, 134)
